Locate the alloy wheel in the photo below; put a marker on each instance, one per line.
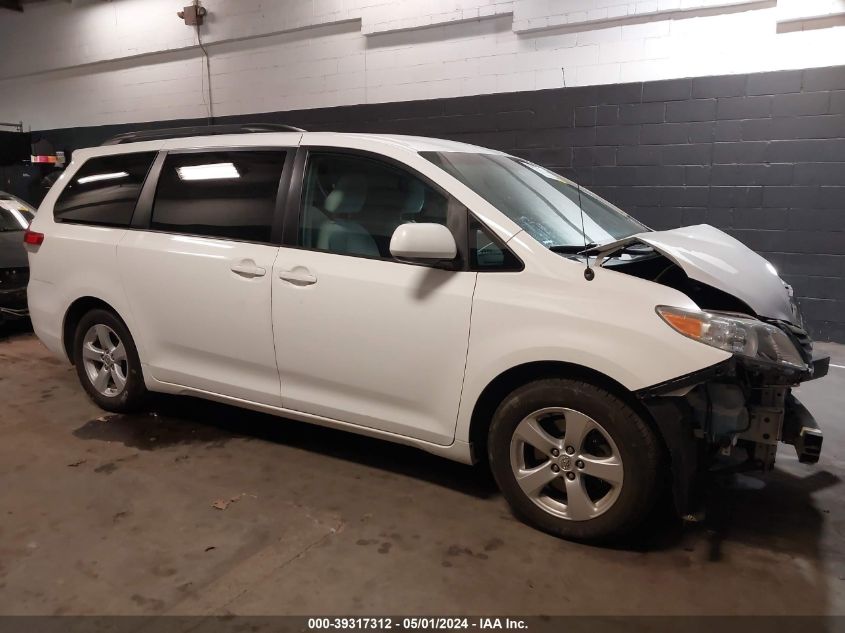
(566, 463)
(105, 361)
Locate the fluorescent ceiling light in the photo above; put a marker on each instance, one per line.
(211, 171)
(96, 177)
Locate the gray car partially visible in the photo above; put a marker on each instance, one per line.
(15, 216)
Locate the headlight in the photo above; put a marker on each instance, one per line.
(743, 336)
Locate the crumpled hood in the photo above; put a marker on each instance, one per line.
(713, 257)
(12, 251)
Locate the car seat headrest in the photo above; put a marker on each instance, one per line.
(348, 195)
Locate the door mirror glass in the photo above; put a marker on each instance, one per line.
(423, 241)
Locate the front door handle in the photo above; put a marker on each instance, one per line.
(247, 268)
(298, 276)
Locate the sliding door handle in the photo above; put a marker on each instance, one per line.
(298, 276)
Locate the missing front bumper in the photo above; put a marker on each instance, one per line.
(731, 413)
(802, 431)
(820, 365)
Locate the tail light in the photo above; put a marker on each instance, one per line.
(32, 237)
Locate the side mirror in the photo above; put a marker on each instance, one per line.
(423, 242)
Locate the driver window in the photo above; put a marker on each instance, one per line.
(351, 205)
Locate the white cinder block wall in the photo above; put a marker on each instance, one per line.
(90, 62)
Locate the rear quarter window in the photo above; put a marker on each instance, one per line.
(104, 190)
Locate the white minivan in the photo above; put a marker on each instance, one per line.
(451, 297)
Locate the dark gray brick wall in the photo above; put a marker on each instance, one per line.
(761, 156)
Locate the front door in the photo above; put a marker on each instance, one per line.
(360, 337)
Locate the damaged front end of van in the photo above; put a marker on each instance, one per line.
(740, 409)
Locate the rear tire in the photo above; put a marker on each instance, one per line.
(573, 459)
(107, 362)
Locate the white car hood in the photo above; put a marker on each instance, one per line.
(713, 257)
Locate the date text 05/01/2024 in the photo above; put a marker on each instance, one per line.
(416, 623)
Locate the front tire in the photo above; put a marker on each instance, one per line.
(107, 362)
(573, 459)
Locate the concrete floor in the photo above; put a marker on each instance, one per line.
(109, 514)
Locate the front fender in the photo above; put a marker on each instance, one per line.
(607, 325)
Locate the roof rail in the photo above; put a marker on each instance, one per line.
(199, 130)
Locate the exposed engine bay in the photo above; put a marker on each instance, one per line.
(646, 263)
(737, 411)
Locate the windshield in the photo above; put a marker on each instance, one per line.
(13, 215)
(540, 201)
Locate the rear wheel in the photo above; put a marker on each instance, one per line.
(573, 459)
(107, 362)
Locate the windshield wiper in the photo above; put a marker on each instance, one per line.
(571, 249)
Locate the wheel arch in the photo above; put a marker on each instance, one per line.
(503, 384)
(76, 310)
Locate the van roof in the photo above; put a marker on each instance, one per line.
(256, 133)
(375, 142)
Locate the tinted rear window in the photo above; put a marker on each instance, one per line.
(104, 190)
(230, 195)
